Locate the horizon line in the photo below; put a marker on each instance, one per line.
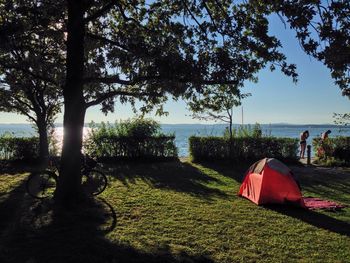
(275, 123)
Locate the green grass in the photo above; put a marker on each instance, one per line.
(176, 212)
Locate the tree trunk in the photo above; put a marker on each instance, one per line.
(43, 141)
(69, 185)
(231, 135)
(231, 132)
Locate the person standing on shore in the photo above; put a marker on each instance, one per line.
(324, 148)
(325, 135)
(303, 136)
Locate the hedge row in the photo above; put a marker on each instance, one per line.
(19, 148)
(337, 148)
(128, 147)
(218, 148)
(105, 148)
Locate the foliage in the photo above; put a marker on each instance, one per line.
(121, 147)
(54, 144)
(176, 47)
(24, 148)
(32, 65)
(242, 148)
(332, 151)
(342, 119)
(217, 104)
(245, 131)
(138, 127)
(136, 138)
(17, 148)
(322, 28)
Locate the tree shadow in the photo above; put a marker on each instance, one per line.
(313, 218)
(16, 167)
(9, 205)
(232, 170)
(175, 175)
(43, 232)
(332, 183)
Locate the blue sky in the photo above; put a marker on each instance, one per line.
(275, 98)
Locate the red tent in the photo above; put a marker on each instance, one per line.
(269, 181)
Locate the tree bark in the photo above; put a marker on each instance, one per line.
(231, 134)
(69, 184)
(43, 141)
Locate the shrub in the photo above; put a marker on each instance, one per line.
(138, 127)
(131, 139)
(245, 131)
(243, 148)
(332, 151)
(24, 148)
(19, 148)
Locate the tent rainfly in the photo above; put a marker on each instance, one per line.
(269, 181)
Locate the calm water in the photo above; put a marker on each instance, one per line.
(184, 131)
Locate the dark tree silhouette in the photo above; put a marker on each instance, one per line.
(31, 67)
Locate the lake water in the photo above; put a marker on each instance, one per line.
(184, 131)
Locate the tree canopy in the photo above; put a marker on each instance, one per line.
(32, 61)
(217, 104)
(322, 28)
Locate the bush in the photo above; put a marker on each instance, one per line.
(131, 139)
(123, 147)
(244, 131)
(23, 148)
(243, 148)
(332, 151)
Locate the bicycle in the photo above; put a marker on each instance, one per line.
(42, 184)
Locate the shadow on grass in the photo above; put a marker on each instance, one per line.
(9, 205)
(331, 183)
(16, 167)
(313, 218)
(232, 170)
(175, 175)
(42, 232)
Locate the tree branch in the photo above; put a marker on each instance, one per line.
(126, 18)
(212, 18)
(26, 71)
(24, 112)
(115, 93)
(100, 12)
(24, 103)
(140, 79)
(194, 18)
(117, 80)
(109, 41)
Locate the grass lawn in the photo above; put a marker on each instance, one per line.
(175, 212)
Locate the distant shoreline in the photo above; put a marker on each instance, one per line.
(204, 124)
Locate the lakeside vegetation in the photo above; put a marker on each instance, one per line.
(333, 151)
(133, 139)
(140, 138)
(242, 148)
(175, 212)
